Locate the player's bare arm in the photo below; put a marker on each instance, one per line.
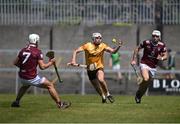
(134, 57)
(43, 65)
(75, 52)
(16, 62)
(163, 56)
(111, 50)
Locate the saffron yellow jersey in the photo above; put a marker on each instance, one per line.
(94, 54)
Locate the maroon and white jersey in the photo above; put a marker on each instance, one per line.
(28, 61)
(151, 52)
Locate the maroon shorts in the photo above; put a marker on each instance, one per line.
(92, 74)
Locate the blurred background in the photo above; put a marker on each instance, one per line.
(63, 25)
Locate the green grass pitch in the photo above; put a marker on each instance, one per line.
(89, 109)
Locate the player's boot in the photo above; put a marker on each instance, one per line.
(104, 100)
(64, 105)
(138, 100)
(110, 98)
(15, 104)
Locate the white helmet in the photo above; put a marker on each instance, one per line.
(94, 35)
(157, 33)
(34, 38)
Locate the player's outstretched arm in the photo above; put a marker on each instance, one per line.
(43, 65)
(114, 50)
(75, 52)
(111, 50)
(134, 57)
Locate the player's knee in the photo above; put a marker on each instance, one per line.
(146, 78)
(101, 79)
(49, 85)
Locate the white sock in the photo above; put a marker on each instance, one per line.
(108, 94)
(103, 96)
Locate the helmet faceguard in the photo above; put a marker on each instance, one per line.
(97, 38)
(156, 36)
(34, 39)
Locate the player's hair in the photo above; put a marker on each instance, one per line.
(34, 38)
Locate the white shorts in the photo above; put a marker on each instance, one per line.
(37, 81)
(151, 70)
(116, 67)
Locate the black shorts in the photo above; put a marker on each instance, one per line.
(92, 74)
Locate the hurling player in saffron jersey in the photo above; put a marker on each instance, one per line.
(153, 51)
(27, 61)
(94, 51)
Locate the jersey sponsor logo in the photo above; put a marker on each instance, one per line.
(152, 54)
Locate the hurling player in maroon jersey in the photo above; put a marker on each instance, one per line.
(27, 61)
(153, 51)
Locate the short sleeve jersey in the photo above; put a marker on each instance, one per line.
(94, 54)
(28, 61)
(151, 52)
